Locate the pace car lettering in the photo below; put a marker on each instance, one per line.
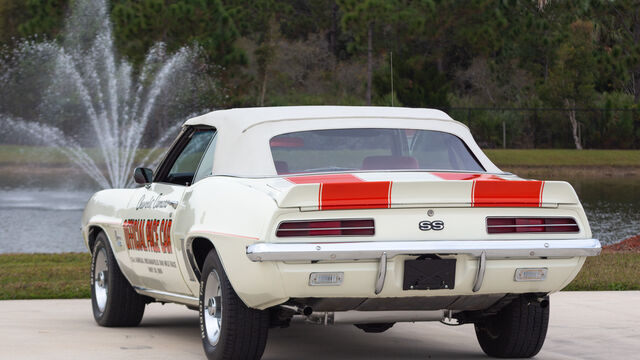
(145, 204)
(154, 203)
(150, 235)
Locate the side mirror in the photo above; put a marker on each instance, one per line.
(143, 176)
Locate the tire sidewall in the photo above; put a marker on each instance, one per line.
(100, 244)
(213, 262)
(502, 333)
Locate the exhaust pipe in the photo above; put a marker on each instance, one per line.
(298, 310)
(373, 317)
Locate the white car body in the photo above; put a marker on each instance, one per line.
(238, 208)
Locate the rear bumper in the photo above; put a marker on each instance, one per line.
(370, 250)
(268, 274)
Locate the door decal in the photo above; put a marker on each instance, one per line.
(150, 235)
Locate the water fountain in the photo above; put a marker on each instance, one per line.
(109, 102)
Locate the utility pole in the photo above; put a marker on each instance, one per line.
(369, 61)
(391, 56)
(504, 135)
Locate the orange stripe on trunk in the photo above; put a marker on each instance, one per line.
(506, 193)
(346, 191)
(363, 195)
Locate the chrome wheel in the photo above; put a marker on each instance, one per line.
(101, 279)
(213, 307)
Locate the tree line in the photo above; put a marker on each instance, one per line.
(513, 54)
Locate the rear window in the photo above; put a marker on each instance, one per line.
(370, 149)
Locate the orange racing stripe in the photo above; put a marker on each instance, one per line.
(488, 193)
(346, 191)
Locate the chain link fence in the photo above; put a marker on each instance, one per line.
(530, 128)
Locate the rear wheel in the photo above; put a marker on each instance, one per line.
(517, 331)
(229, 329)
(113, 299)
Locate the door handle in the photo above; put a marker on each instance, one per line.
(173, 203)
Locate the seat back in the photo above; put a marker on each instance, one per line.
(389, 162)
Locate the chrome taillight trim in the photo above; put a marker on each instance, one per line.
(372, 227)
(575, 223)
(334, 228)
(539, 225)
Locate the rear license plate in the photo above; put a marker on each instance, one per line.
(429, 274)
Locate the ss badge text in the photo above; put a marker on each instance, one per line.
(431, 225)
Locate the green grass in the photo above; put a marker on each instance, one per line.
(44, 276)
(564, 157)
(609, 272)
(66, 276)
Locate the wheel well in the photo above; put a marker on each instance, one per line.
(93, 234)
(200, 248)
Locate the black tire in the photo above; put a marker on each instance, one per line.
(243, 331)
(113, 299)
(517, 331)
(374, 328)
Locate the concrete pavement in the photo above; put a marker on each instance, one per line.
(584, 325)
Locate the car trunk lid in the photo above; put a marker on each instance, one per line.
(377, 190)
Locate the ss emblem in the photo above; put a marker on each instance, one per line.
(431, 225)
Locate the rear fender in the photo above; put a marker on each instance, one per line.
(252, 281)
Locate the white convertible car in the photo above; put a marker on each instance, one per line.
(358, 215)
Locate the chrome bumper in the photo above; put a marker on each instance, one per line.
(374, 250)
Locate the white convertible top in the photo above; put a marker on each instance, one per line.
(242, 119)
(242, 147)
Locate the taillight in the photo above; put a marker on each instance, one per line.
(501, 225)
(326, 228)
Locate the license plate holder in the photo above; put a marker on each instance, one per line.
(429, 274)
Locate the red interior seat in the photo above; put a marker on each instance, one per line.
(389, 162)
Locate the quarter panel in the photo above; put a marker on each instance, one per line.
(232, 215)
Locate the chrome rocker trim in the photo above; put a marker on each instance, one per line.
(374, 250)
(168, 296)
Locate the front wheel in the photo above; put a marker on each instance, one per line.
(229, 329)
(517, 331)
(113, 299)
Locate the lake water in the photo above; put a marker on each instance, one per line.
(41, 221)
(48, 221)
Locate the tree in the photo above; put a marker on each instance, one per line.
(260, 21)
(571, 80)
(12, 14)
(139, 24)
(361, 18)
(620, 37)
(44, 17)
